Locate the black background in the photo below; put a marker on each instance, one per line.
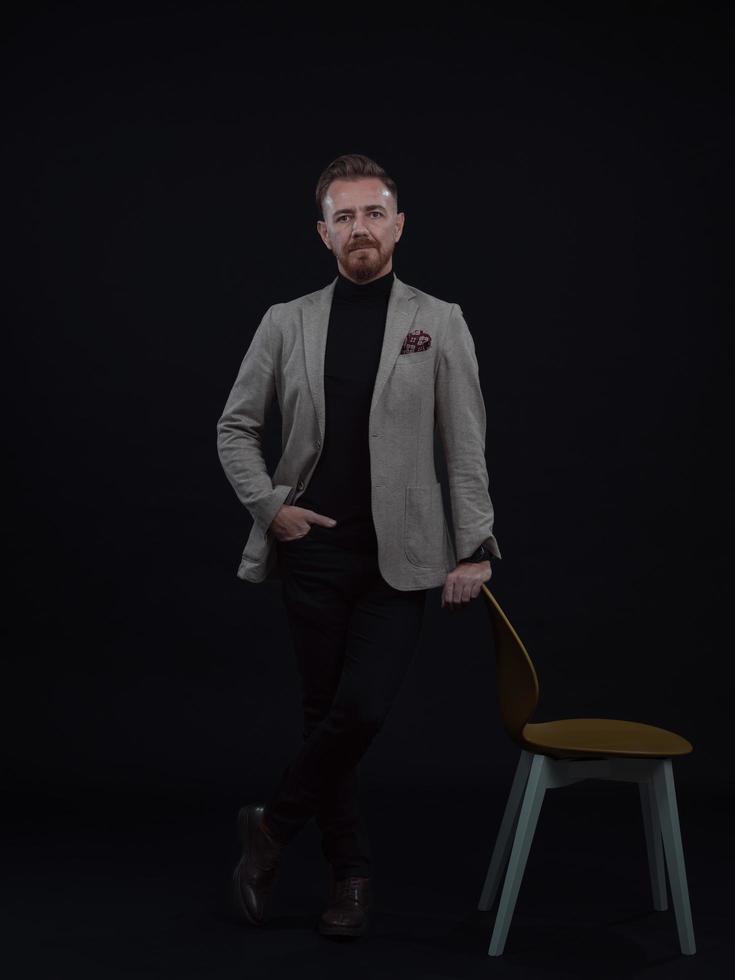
(566, 175)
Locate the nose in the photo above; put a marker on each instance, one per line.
(358, 228)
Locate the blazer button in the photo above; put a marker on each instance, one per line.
(318, 443)
(300, 485)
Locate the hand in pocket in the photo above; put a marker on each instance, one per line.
(292, 523)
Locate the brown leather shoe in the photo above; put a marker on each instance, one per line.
(255, 872)
(349, 907)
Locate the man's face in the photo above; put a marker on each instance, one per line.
(361, 227)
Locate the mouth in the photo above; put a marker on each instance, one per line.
(360, 248)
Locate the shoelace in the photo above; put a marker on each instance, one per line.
(348, 889)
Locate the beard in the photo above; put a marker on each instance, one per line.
(363, 265)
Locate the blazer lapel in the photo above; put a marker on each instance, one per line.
(402, 307)
(315, 323)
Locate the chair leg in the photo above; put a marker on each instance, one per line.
(504, 839)
(668, 815)
(525, 828)
(654, 846)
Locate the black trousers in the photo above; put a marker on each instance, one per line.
(354, 637)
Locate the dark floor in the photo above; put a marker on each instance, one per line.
(127, 886)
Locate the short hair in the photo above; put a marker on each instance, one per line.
(351, 166)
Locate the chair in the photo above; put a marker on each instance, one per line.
(557, 753)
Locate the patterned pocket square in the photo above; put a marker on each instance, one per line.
(415, 342)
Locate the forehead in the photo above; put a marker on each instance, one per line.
(357, 193)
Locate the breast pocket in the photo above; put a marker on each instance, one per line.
(423, 531)
(415, 360)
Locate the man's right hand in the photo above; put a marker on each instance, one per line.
(291, 523)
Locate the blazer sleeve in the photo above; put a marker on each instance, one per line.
(460, 416)
(240, 428)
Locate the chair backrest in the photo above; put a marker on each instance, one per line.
(518, 688)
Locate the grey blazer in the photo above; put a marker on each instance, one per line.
(427, 376)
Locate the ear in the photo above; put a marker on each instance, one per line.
(321, 227)
(400, 219)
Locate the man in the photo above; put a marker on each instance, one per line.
(364, 370)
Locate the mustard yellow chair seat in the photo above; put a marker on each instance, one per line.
(586, 737)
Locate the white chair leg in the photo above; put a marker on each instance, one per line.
(654, 846)
(504, 839)
(525, 828)
(668, 815)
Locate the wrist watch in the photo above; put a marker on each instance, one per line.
(482, 554)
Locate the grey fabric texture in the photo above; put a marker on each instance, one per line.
(433, 385)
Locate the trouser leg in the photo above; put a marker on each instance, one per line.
(354, 636)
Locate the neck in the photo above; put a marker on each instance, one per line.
(374, 291)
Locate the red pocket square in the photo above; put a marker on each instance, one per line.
(415, 342)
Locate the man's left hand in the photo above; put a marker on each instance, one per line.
(463, 584)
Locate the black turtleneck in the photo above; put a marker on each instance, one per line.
(340, 486)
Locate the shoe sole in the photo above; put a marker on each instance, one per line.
(331, 930)
(241, 908)
(328, 930)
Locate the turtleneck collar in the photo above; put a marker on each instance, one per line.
(376, 290)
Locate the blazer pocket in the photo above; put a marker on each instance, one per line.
(423, 528)
(415, 359)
